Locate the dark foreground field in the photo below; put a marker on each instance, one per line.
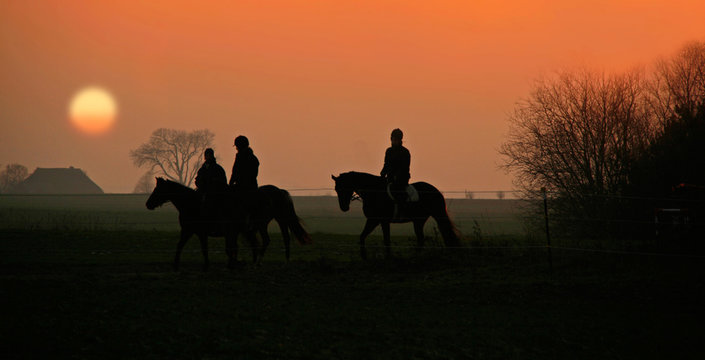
(113, 295)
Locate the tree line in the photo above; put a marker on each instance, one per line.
(611, 147)
(12, 175)
(174, 154)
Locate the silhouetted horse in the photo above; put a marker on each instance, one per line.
(226, 223)
(272, 203)
(275, 203)
(379, 208)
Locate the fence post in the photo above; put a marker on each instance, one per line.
(548, 235)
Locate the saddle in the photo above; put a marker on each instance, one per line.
(412, 195)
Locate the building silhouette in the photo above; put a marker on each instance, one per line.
(57, 181)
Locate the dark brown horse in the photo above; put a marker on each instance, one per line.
(226, 223)
(274, 203)
(230, 220)
(378, 208)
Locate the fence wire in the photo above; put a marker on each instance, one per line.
(341, 248)
(475, 225)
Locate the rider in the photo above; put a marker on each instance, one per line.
(397, 160)
(210, 181)
(245, 169)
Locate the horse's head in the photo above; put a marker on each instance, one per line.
(159, 196)
(344, 190)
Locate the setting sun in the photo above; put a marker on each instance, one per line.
(92, 110)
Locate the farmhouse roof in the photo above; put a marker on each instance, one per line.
(57, 181)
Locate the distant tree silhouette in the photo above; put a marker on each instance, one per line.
(678, 84)
(500, 195)
(670, 172)
(591, 138)
(676, 154)
(671, 175)
(11, 176)
(577, 135)
(676, 157)
(176, 154)
(145, 184)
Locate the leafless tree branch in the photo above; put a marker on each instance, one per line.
(174, 154)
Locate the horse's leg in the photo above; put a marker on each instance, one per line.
(369, 226)
(265, 240)
(204, 249)
(251, 236)
(180, 246)
(285, 235)
(387, 241)
(231, 249)
(418, 230)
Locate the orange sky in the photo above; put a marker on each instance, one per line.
(317, 86)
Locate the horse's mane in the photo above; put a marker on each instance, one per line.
(362, 179)
(358, 175)
(173, 184)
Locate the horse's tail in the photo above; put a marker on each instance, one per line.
(294, 221)
(451, 234)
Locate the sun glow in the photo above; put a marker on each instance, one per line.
(93, 110)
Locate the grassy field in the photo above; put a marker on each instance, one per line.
(319, 213)
(106, 290)
(103, 294)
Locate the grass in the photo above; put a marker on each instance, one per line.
(112, 294)
(125, 212)
(91, 277)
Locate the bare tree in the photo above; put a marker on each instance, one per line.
(173, 153)
(11, 176)
(678, 83)
(145, 184)
(576, 135)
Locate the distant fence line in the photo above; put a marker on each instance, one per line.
(486, 216)
(466, 194)
(484, 220)
(488, 222)
(477, 226)
(454, 194)
(354, 248)
(452, 217)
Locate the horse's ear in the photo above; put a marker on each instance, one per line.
(334, 178)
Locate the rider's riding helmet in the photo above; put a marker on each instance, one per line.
(241, 142)
(397, 134)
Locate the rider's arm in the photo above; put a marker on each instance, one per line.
(385, 168)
